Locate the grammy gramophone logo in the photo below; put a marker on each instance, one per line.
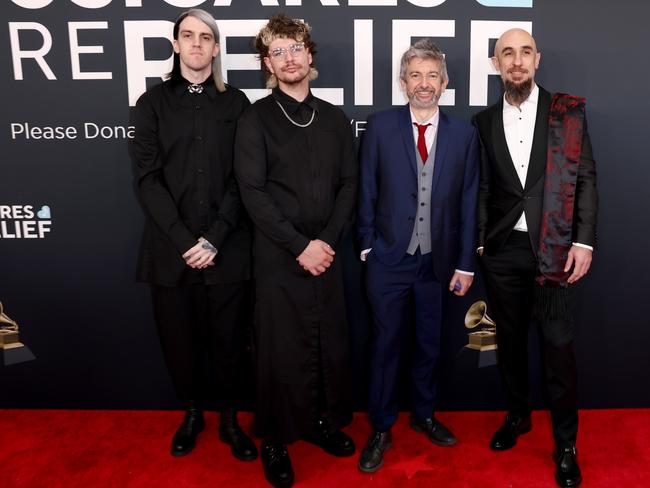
(484, 339)
(9, 337)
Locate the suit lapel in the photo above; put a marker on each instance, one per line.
(501, 145)
(442, 142)
(406, 128)
(537, 163)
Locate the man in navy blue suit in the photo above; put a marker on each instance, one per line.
(417, 226)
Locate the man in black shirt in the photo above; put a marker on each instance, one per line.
(297, 174)
(195, 251)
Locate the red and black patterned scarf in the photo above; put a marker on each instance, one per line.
(565, 130)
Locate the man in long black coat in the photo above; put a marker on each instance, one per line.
(297, 175)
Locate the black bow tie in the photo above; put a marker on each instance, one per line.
(195, 88)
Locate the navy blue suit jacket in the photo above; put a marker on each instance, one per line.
(388, 196)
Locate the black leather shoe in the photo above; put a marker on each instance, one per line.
(567, 473)
(336, 443)
(277, 465)
(435, 431)
(241, 446)
(372, 456)
(185, 438)
(506, 436)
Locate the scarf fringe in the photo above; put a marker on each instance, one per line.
(551, 303)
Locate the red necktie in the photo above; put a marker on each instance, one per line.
(422, 143)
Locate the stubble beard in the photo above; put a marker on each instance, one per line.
(293, 78)
(417, 103)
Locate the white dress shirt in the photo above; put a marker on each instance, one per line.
(519, 128)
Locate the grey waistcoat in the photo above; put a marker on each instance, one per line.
(421, 236)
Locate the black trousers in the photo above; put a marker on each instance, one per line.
(198, 320)
(510, 280)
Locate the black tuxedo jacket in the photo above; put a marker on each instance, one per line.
(501, 196)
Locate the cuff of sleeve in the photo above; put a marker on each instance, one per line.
(298, 245)
(183, 241)
(364, 254)
(326, 236)
(217, 234)
(468, 273)
(582, 245)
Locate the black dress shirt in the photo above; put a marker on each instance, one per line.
(298, 183)
(182, 153)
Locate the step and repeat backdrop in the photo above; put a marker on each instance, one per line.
(78, 330)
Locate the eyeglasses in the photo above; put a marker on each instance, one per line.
(280, 52)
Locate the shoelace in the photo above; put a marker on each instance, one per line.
(275, 454)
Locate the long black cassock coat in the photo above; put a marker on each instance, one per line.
(298, 184)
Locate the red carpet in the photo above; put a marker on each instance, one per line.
(96, 449)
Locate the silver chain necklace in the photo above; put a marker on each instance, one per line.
(313, 113)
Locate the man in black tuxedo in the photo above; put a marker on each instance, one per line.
(196, 247)
(536, 232)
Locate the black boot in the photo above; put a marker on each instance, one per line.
(185, 438)
(242, 447)
(277, 465)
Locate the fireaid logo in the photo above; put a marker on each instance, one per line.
(24, 221)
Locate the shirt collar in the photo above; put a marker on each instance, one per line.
(433, 120)
(530, 102)
(291, 103)
(181, 84)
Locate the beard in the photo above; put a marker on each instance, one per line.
(517, 93)
(417, 103)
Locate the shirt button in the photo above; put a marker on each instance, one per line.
(421, 219)
(199, 106)
(422, 204)
(424, 189)
(424, 174)
(198, 138)
(200, 170)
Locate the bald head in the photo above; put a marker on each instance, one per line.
(514, 37)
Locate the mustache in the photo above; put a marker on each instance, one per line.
(518, 70)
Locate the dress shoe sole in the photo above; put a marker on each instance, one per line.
(514, 443)
(183, 452)
(437, 442)
(374, 469)
(236, 455)
(571, 484)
